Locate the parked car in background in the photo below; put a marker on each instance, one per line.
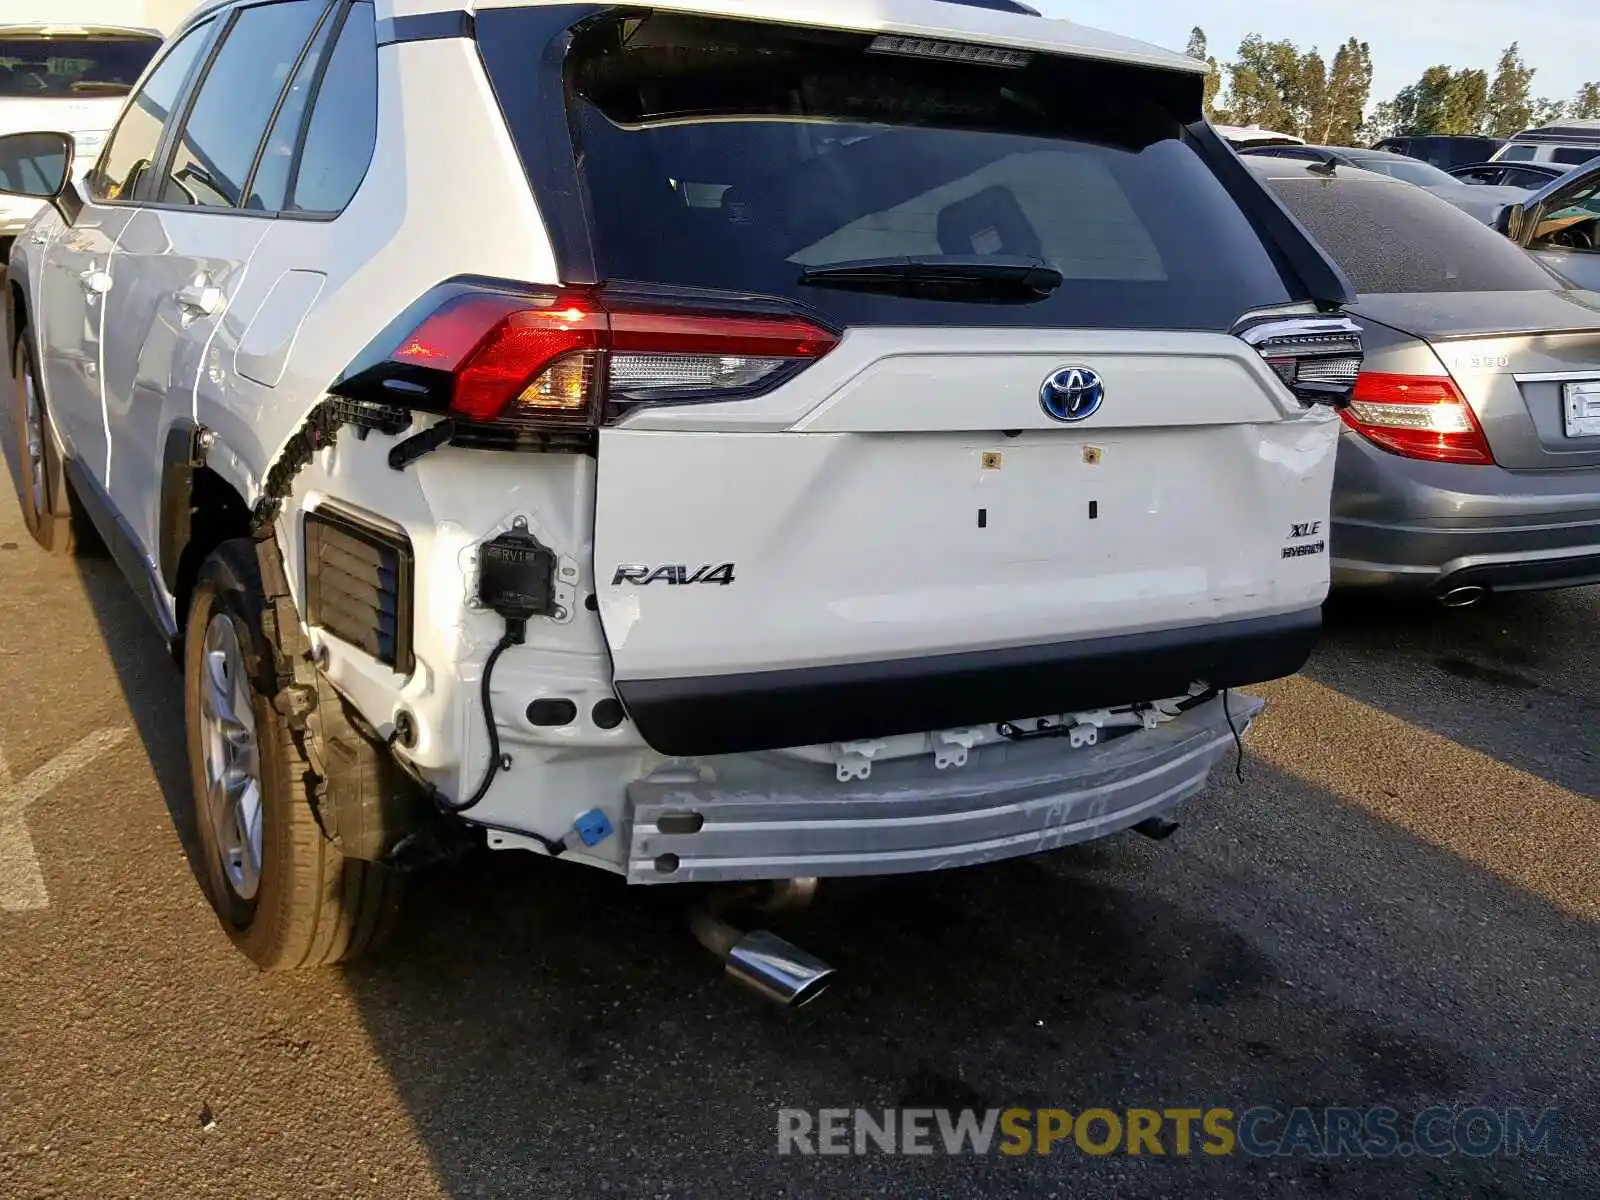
(70, 78)
(1502, 174)
(866, 444)
(1445, 151)
(1560, 226)
(1471, 457)
(1240, 136)
(1481, 202)
(1565, 143)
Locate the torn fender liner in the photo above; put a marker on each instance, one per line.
(771, 710)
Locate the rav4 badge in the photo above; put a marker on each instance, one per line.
(675, 574)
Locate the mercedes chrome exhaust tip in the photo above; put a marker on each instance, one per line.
(760, 960)
(1463, 597)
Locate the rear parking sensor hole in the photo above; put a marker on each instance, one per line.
(556, 712)
(680, 822)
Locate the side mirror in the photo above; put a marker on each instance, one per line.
(35, 165)
(1507, 220)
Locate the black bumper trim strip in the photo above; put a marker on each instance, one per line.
(769, 710)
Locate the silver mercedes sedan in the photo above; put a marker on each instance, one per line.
(1470, 461)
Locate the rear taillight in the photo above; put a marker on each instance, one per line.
(1318, 358)
(575, 359)
(1418, 416)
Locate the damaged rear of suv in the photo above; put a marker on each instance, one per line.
(819, 440)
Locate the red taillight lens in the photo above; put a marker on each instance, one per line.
(1418, 416)
(514, 359)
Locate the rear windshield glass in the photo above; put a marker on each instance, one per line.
(729, 155)
(1411, 170)
(42, 67)
(1390, 238)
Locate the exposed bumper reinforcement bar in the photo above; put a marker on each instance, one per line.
(778, 818)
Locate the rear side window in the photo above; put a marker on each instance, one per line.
(732, 155)
(270, 184)
(132, 150)
(344, 121)
(1524, 178)
(1391, 238)
(314, 160)
(1573, 155)
(1522, 153)
(212, 159)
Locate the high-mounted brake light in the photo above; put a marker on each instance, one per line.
(1417, 416)
(983, 56)
(570, 359)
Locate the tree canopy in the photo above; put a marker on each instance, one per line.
(1279, 86)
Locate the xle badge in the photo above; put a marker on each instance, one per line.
(1305, 529)
(675, 574)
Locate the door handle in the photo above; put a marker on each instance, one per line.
(95, 281)
(200, 300)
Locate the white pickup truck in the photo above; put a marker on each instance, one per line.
(721, 443)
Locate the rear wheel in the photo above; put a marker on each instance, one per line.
(47, 502)
(285, 894)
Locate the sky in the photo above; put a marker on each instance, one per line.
(1558, 37)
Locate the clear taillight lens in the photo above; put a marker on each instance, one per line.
(1318, 358)
(643, 377)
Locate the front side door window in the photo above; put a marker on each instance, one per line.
(80, 266)
(131, 152)
(1569, 219)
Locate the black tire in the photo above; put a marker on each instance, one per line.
(49, 509)
(310, 906)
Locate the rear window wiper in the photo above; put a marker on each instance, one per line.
(978, 276)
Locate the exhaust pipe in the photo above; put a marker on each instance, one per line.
(1157, 829)
(759, 960)
(1463, 597)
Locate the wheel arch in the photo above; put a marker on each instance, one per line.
(200, 509)
(16, 313)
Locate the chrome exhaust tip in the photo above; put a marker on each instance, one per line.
(1463, 597)
(760, 960)
(777, 970)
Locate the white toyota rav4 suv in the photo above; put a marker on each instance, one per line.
(715, 441)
